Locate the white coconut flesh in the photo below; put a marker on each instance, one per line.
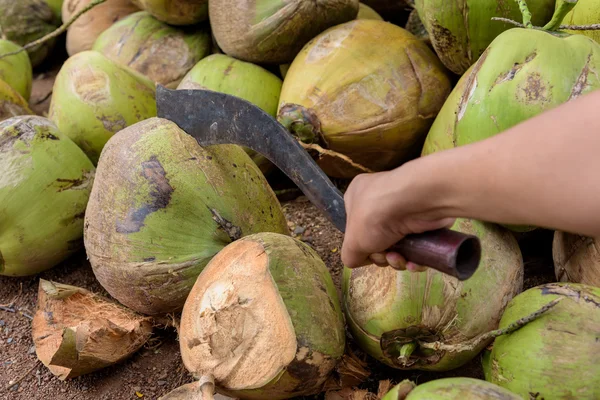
(235, 325)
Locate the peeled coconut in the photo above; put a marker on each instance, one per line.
(450, 389)
(276, 32)
(176, 12)
(248, 81)
(460, 31)
(161, 52)
(576, 258)
(555, 356)
(76, 332)
(586, 12)
(162, 207)
(12, 104)
(86, 29)
(368, 90)
(23, 21)
(93, 98)
(45, 183)
(393, 315)
(16, 69)
(366, 12)
(264, 320)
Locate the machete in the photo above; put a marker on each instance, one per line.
(215, 118)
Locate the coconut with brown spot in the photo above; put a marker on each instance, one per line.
(274, 31)
(555, 356)
(76, 332)
(264, 319)
(366, 91)
(576, 258)
(162, 207)
(93, 98)
(510, 84)
(45, 183)
(23, 21)
(161, 52)
(82, 34)
(176, 12)
(395, 315)
(12, 104)
(460, 31)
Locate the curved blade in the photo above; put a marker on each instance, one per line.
(217, 118)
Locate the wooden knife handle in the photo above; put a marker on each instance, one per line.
(451, 252)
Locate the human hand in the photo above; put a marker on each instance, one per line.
(384, 207)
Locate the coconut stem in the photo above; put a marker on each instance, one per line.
(564, 7)
(207, 387)
(406, 350)
(525, 13)
(476, 341)
(301, 122)
(59, 31)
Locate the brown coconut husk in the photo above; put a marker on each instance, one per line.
(82, 34)
(576, 258)
(76, 332)
(198, 390)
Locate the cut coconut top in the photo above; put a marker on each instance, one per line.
(235, 320)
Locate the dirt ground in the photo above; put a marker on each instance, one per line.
(157, 369)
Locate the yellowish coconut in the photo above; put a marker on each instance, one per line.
(576, 258)
(12, 104)
(84, 32)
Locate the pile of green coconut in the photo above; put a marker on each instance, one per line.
(198, 235)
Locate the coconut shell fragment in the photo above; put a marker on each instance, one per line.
(273, 33)
(266, 300)
(161, 52)
(77, 332)
(82, 34)
(576, 258)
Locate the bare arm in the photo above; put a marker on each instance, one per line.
(543, 172)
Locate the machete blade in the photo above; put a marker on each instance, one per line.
(217, 118)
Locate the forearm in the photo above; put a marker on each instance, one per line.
(543, 172)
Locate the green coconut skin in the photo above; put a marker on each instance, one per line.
(56, 6)
(16, 69)
(460, 31)
(274, 31)
(12, 104)
(477, 107)
(381, 302)
(24, 21)
(160, 211)
(221, 73)
(586, 12)
(309, 294)
(94, 97)
(161, 52)
(45, 183)
(554, 357)
(458, 389)
(176, 12)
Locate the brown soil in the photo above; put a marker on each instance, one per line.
(157, 368)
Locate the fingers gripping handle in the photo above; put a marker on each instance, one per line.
(453, 253)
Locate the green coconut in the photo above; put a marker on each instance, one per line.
(24, 21)
(176, 12)
(162, 207)
(12, 104)
(161, 52)
(460, 31)
(451, 389)
(82, 34)
(274, 31)
(576, 258)
(366, 12)
(395, 316)
(16, 69)
(368, 90)
(45, 183)
(56, 6)
(264, 320)
(93, 98)
(554, 357)
(248, 81)
(586, 12)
